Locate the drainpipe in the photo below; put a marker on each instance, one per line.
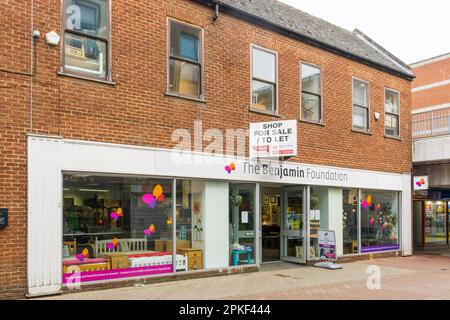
(31, 65)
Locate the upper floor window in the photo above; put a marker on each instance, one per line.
(311, 94)
(185, 59)
(86, 39)
(264, 80)
(391, 113)
(360, 105)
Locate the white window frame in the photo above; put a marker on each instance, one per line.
(321, 121)
(368, 105)
(275, 111)
(81, 73)
(201, 96)
(398, 115)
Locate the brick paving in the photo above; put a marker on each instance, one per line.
(423, 276)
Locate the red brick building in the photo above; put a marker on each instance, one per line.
(431, 139)
(89, 110)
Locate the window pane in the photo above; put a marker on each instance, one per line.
(379, 220)
(116, 227)
(242, 224)
(184, 78)
(310, 107)
(85, 55)
(264, 65)
(190, 226)
(184, 41)
(360, 118)
(88, 16)
(392, 102)
(310, 79)
(360, 96)
(263, 96)
(350, 221)
(391, 125)
(434, 229)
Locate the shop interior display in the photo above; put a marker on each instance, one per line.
(127, 223)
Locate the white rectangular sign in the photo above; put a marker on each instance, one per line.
(327, 245)
(420, 183)
(273, 139)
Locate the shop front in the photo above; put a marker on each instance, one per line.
(431, 210)
(103, 212)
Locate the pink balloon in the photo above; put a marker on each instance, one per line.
(148, 198)
(79, 257)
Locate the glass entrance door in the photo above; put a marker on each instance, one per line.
(293, 227)
(242, 224)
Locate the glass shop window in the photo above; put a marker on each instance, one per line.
(86, 38)
(185, 60)
(117, 227)
(350, 221)
(379, 220)
(190, 228)
(242, 224)
(264, 80)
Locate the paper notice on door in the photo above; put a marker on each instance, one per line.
(244, 217)
(312, 214)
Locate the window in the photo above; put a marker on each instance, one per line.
(116, 227)
(379, 220)
(391, 113)
(360, 105)
(311, 94)
(121, 227)
(86, 38)
(264, 78)
(185, 60)
(350, 221)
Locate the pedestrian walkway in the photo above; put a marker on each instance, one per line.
(422, 276)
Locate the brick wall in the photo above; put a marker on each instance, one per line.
(428, 74)
(136, 111)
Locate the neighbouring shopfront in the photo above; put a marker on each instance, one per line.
(103, 212)
(431, 211)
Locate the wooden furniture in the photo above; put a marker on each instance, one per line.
(195, 257)
(117, 260)
(98, 264)
(181, 262)
(314, 226)
(72, 245)
(354, 246)
(235, 253)
(166, 245)
(125, 245)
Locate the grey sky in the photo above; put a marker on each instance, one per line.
(412, 30)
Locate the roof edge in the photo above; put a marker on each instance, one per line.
(381, 49)
(244, 15)
(440, 57)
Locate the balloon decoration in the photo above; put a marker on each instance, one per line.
(116, 214)
(84, 254)
(151, 230)
(151, 199)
